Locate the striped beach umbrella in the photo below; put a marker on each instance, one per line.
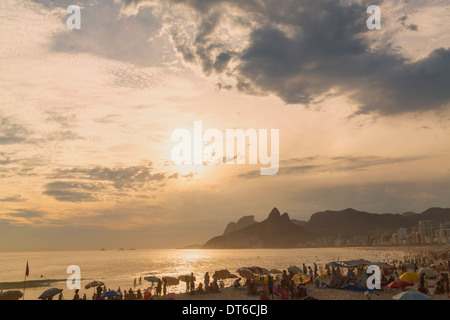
(301, 278)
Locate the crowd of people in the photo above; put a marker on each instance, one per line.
(283, 285)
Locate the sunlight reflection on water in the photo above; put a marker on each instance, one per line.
(120, 268)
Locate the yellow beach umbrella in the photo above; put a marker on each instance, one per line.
(410, 277)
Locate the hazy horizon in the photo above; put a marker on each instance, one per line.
(86, 116)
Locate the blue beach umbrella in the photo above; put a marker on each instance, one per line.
(111, 293)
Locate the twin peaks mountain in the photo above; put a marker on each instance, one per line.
(277, 231)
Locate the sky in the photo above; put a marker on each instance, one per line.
(87, 115)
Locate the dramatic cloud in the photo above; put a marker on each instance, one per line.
(11, 132)
(87, 184)
(301, 50)
(132, 178)
(73, 191)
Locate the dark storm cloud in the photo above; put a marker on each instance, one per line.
(327, 47)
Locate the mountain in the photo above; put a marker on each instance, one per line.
(299, 222)
(277, 231)
(242, 223)
(351, 222)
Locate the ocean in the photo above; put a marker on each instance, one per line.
(119, 268)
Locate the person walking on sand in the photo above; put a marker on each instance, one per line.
(165, 287)
(192, 280)
(206, 280)
(76, 296)
(215, 280)
(270, 285)
(158, 287)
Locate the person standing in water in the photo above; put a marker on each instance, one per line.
(206, 280)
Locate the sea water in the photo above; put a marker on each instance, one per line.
(119, 268)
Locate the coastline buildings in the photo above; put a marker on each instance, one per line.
(426, 232)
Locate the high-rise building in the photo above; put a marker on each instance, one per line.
(426, 230)
(402, 234)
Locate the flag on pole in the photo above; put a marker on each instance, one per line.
(27, 271)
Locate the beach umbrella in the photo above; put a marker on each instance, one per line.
(399, 284)
(245, 273)
(428, 272)
(410, 277)
(435, 266)
(111, 293)
(301, 278)
(332, 264)
(411, 295)
(93, 284)
(275, 271)
(383, 265)
(222, 274)
(232, 276)
(11, 295)
(408, 265)
(171, 281)
(264, 271)
(295, 269)
(50, 293)
(185, 278)
(151, 279)
(255, 269)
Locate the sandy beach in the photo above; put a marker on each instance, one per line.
(229, 293)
